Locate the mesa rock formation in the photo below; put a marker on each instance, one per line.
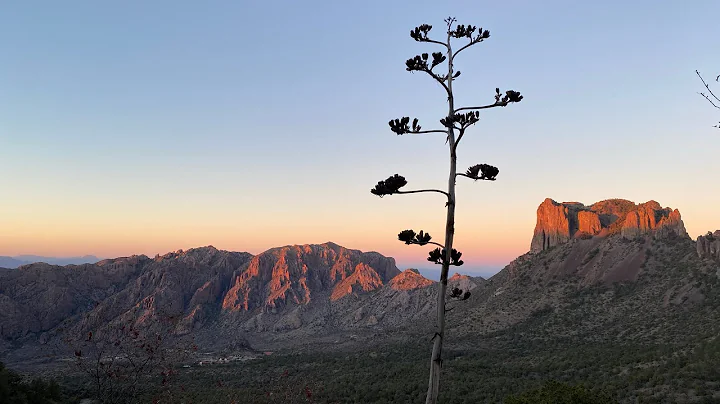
(558, 223)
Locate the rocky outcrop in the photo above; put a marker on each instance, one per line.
(650, 216)
(558, 223)
(589, 222)
(410, 279)
(553, 225)
(364, 279)
(464, 282)
(295, 274)
(708, 246)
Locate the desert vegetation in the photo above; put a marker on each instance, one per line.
(16, 389)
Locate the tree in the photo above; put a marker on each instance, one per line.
(455, 124)
(709, 95)
(123, 358)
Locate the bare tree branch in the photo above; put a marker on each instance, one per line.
(709, 90)
(423, 190)
(429, 242)
(497, 104)
(439, 80)
(437, 42)
(468, 176)
(429, 131)
(709, 100)
(464, 47)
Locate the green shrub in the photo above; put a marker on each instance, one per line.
(554, 392)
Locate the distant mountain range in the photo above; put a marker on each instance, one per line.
(19, 260)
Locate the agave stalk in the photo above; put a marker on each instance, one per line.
(455, 124)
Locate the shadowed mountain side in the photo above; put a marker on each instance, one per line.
(199, 286)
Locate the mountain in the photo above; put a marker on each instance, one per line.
(558, 223)
(708, 246)
(301, 290)
(609, 290)
(201, 286)
(294, 274)
(10, 262)
(16, 261)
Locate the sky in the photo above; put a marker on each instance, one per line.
(146, 127)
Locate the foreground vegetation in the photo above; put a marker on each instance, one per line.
(14, 389)
(622, 372)
(508, 366)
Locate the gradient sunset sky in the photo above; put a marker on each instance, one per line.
(151, 126)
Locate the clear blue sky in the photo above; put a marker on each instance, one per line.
(143, 127)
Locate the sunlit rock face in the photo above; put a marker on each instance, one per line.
(410, 279)
(295, 274)
(558, 223)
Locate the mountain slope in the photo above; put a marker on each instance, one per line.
(202, 287)
(618, 282)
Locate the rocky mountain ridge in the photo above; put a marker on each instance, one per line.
(199, 286)
(311, 294)
(558, 223)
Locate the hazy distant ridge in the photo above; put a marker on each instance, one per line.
(18, 260)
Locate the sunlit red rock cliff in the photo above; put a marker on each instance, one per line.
(295, 274)
(558, 223)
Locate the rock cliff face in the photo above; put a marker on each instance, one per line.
(553, 225)
(558, 223)
(295, 274)
(708, 246)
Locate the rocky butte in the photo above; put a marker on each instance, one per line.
(558, 223)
